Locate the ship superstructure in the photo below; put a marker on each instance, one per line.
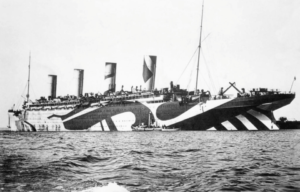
(171, 107)
(168, 107)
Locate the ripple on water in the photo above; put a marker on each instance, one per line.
(181, 161)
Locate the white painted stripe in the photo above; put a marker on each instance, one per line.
(194, 111)
(264, 119)
(274, 126)
(123, 121)
(266, 106)
(229, 126)
(212, 129)
(246, 122)
(149, 99)
(27, 127)
(105, 126)
(148, 61)
(81, 113)
(95, 104)
(96, 127)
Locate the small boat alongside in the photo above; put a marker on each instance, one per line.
(170, 129)
(145, 128)
(165, 128)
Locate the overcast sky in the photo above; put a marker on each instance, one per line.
(253, 43)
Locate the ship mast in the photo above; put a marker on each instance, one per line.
(199, 48)
(27, 96)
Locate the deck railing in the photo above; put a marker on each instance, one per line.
(141, 95)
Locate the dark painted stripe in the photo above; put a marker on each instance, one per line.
(220, 127)
(110, 75)
(101, 126)
(32, 127)
(257, 123)
(238, 124)
(147, 74)
(269, 114)
(111, 124)
(73, 112)
(171, 110)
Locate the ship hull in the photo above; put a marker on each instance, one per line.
(242, 113)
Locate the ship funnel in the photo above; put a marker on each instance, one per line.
(52, 86)
(110, 76)
(78, 77)
(149, 71)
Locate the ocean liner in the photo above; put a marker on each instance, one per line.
(168, 107)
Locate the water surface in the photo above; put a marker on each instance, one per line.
(151, 161)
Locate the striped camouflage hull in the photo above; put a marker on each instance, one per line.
(242, 113)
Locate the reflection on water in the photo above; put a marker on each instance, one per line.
(150, 161)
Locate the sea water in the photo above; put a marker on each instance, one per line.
(150, 161)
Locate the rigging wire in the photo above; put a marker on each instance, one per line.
(190, 61)
(187, 64)
(199, 60)
(204, 80)
(189, 82)
(205, 38)
(33, 90)
(19, 102)
(209, 73)
(200, 41)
